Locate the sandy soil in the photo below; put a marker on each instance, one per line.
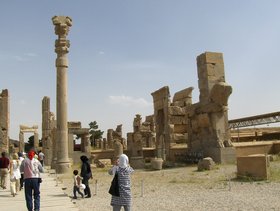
(184, 188)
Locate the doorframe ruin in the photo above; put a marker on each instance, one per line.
(25, 129)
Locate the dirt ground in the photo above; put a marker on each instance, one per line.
(185, 188)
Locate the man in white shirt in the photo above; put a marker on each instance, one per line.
(31, 168)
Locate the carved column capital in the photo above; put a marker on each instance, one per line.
(62, 27)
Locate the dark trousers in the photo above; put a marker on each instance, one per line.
(32, 190)
(87, 189)
(21, 181)
(75, 190)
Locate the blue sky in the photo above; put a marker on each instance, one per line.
(123, 50)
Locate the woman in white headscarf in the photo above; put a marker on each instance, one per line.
(124, 170)
(15, 174)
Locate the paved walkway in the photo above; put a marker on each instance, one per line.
(53, 197)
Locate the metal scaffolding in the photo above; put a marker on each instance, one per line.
(254, 120)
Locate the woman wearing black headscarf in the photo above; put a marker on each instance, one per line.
(86, 174)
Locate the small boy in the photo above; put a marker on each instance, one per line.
(77, 184)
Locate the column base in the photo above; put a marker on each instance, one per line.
(63, 167)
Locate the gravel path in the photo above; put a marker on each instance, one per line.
(184, 188)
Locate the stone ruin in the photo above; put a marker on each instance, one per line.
(200, 127)
(48, 131)
(75, 128)
(26, 129)
(49, 136)
(4, 120)
(145, 130)
(170, 120)
(143, 135)
(208, 129)
(116, 141)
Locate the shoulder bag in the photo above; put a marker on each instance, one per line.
(114, 188)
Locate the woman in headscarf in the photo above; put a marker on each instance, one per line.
(86, 174)
(124, 170)
(15, 174)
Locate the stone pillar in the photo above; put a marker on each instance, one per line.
(21, 142)
(46, 130)
(209, 132)
(118, 149)
(36, 140)
(62, 26)
(163, 137)
(45, 121)
(86, 143)
(110, 138)
(54, 141)
(214, 91)
(4, 120)
(105, 144)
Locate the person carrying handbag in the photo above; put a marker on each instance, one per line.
(123, 170)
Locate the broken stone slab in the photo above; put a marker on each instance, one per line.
(183, 94)
(101, 163)
(255, 166)
(176, 110)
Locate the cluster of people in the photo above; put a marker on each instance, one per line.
(10, 167)
(82, 181)
(25, 172)
(121, 167)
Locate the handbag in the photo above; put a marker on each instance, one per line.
(114, 188)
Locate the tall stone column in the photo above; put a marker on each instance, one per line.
(86, 143)
(21, 142)
(62, 26)
(163, 135)
(110, 138)
(4, 120)
(36, 140)
(46, 130)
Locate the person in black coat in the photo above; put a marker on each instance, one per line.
(86, 174)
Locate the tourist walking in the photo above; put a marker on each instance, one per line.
(41, 157)
(86, 174)
(15, 174)
(21, 158)
(77, 184)
(123, 170)
(4, 170)
(31, 168)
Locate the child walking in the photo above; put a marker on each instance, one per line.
(77, 184)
